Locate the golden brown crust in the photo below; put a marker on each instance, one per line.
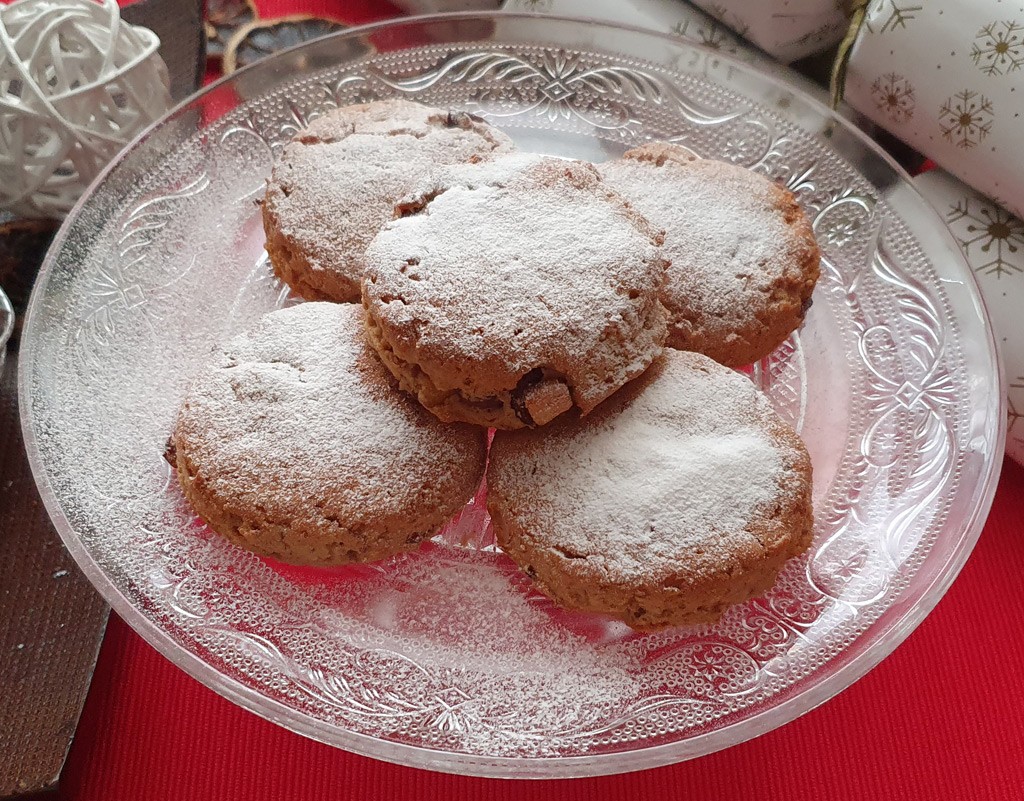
(337, 182)
(775, 313)
(296, 444)
(290, 263)
(727, 298)
(488, 300)
(660, 153)
(549, 515)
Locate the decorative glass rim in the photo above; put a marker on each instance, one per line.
(7, 311)
(886, 633)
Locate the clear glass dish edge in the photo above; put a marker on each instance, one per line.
(889, 634)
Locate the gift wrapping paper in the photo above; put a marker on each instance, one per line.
(664, 16)
(785, 29)
(947, 77)
(676, 18)
(992, 241)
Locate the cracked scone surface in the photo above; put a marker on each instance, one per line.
(336, 183)
(681, 495)
(507, 300)
(743, 258)
(295, 443)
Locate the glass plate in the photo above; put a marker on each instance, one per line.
(446, 659)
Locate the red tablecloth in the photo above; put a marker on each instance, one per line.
(943, 717)
(939, 719)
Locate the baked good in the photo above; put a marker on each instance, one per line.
(680, 495)
(295, 443)
(336, 184)
(506, 301)
(743, 258)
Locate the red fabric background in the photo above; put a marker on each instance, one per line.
(940, 718)
(352, 12)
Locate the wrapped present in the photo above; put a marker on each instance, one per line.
(664, 16)
(992, 240)
(673, 17)
(786, 29)
(947, 77)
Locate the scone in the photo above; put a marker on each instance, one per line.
(337, 182)
(508, 300)
(294, 443)
(681, 495)
(743, 258)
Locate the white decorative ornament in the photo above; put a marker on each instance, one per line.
(76, 84)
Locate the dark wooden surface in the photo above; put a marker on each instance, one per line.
(51, 622)
(51, 619)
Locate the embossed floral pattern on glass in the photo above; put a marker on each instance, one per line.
(447, 658)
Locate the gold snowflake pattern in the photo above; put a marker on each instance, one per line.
(998, 48)
(898, 17)
(1000, 234)
(709, 34)
(966, 118)
(894, 97)
(730, 18)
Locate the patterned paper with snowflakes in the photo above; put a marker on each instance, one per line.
(992, 241)
(682, 20)
(947, 77)
(787, 29)
(999, 48)
(966, 118)
(894, 96)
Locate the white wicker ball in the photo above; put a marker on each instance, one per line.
(76, 84)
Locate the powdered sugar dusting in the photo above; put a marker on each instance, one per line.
(476, 611)
(497, 172)
(543, 268)
(336, 184)
(725, 238)
(437, 619)
(297, 419)
(674, 477)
